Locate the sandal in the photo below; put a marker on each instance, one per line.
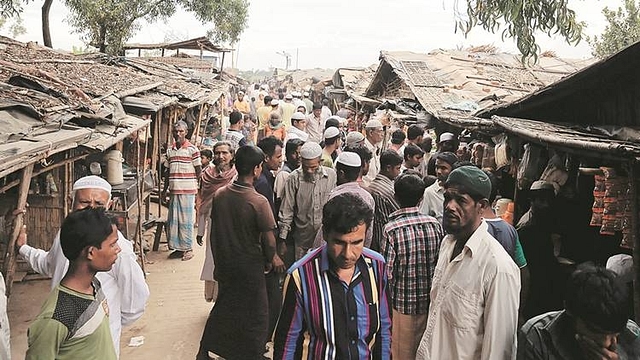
(176, 254)
(188, 255)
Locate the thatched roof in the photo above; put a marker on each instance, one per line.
(606, 92)
(465, 80)
(200, 43)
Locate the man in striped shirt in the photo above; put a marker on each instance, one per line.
(381, 188)
(335, 301)
(410, 245)
(184, 171)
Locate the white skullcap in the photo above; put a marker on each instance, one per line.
(622, 265)
(298, 116)
(91, 182)
(331, 132)
(288, 97)
(446, 137)
(354, 137)
(296, 94)
(349, 159)
(306, 94)
(373, 124)
(310, 150)
(274, 102)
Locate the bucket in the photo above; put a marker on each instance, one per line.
(114, 167)
(501, 206)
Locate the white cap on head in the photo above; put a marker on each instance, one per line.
(298, 116)
(373, 124)
(240, 92)
(446, 137)
(354, 137)
(288, 97)
(305, 94)
(274, 102)
(91, 182)
(296, 94)
(349, 158)
(310, 150)
(331, 132)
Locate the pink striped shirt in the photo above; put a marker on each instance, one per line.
(182, 168)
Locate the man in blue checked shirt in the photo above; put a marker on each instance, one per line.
(335, 300)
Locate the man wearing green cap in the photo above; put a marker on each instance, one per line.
(476, 286)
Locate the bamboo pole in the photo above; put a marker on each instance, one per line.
(198, 124)
(43, 170)
(633, 177)
(155, 160)
(140, 189)
(10, 254)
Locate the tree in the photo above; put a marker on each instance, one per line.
(16, 26)
(623, 30)
(108, 24)
(522, 18)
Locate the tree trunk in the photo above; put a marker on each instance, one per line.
(46, 33)
(102, 39)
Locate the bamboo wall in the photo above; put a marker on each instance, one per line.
(45, 214)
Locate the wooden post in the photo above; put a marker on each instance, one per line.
(634, 176)
(222, 63)
(10, 255)
(140, 183)
(198, 124)
(155, 159)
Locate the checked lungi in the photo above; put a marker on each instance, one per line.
(180, 221)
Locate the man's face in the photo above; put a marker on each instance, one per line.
(294, 157)
(93, 198)
(417, 140)
(413, 161)
(240, 97)
(461, 212)
(205, 160)
(541, 200)
(344, 250)
(222, 156)
(393, 171)
(443, 169)
(376, 135)
(591, 339)
(447, 145)
(316, 112)
(300, 124)
(310, 167)
(103, 258)
(273, 162)
(179, 134)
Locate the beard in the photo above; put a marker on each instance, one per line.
(309, 177)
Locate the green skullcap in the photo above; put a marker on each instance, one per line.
(474, 180)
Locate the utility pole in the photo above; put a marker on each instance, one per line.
(287, 57)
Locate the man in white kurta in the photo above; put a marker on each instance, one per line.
(124, 285)
(476, 286)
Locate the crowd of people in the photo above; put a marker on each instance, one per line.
(323, 240)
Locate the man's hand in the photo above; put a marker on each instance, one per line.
(278, 264)
(282, 247)
(22, 237)
(593, 350)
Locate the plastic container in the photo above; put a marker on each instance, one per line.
(114, 167)
(501, 206)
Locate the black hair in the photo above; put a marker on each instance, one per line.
(351, 173)
(267, 100)
(317, 106)
(397, 137)
(598, 297)
(414, 131)
(292, 146)
(390, 158)
(448, 157)
(331, 122)
(494, 185)
(268, 145)
(364, 153)
(207, 153)
(429, 180)
(408, 189)
(426, 144)
(235, 117)
(331, 141)
(343, 213)
(461, 163)
(412, 150)
(247, 158)
(83, 228)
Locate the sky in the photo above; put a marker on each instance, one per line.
(331, 33)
